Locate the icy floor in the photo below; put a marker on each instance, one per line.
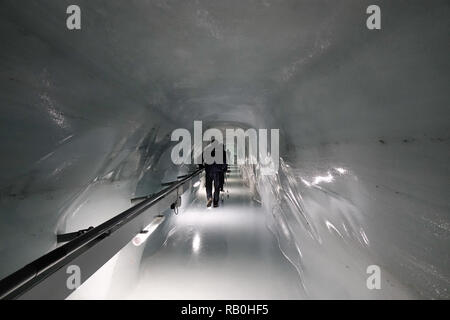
(219, 253)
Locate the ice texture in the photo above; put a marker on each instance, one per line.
(364, 119)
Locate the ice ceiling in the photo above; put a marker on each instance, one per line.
(86, 114)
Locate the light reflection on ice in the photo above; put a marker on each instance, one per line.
(341, 170)
(196, 243)
(331, 226)
(322, 178)
(321, 232)
(328, 178)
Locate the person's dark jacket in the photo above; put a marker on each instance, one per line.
(216, 167)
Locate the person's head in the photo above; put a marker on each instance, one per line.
(213, 139)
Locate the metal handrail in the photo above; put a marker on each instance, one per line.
(25, 278)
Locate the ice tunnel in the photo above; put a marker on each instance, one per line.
(359, 207)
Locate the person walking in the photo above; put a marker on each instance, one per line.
(214, 171)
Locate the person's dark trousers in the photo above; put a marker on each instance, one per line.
(213, 177)
(209, 181)
(216, 187)
(222, 180)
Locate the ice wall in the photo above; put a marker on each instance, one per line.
(332, 221)
(78, 139)
(85, 115)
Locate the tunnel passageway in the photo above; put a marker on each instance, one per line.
(87, 119)
(217, 253)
